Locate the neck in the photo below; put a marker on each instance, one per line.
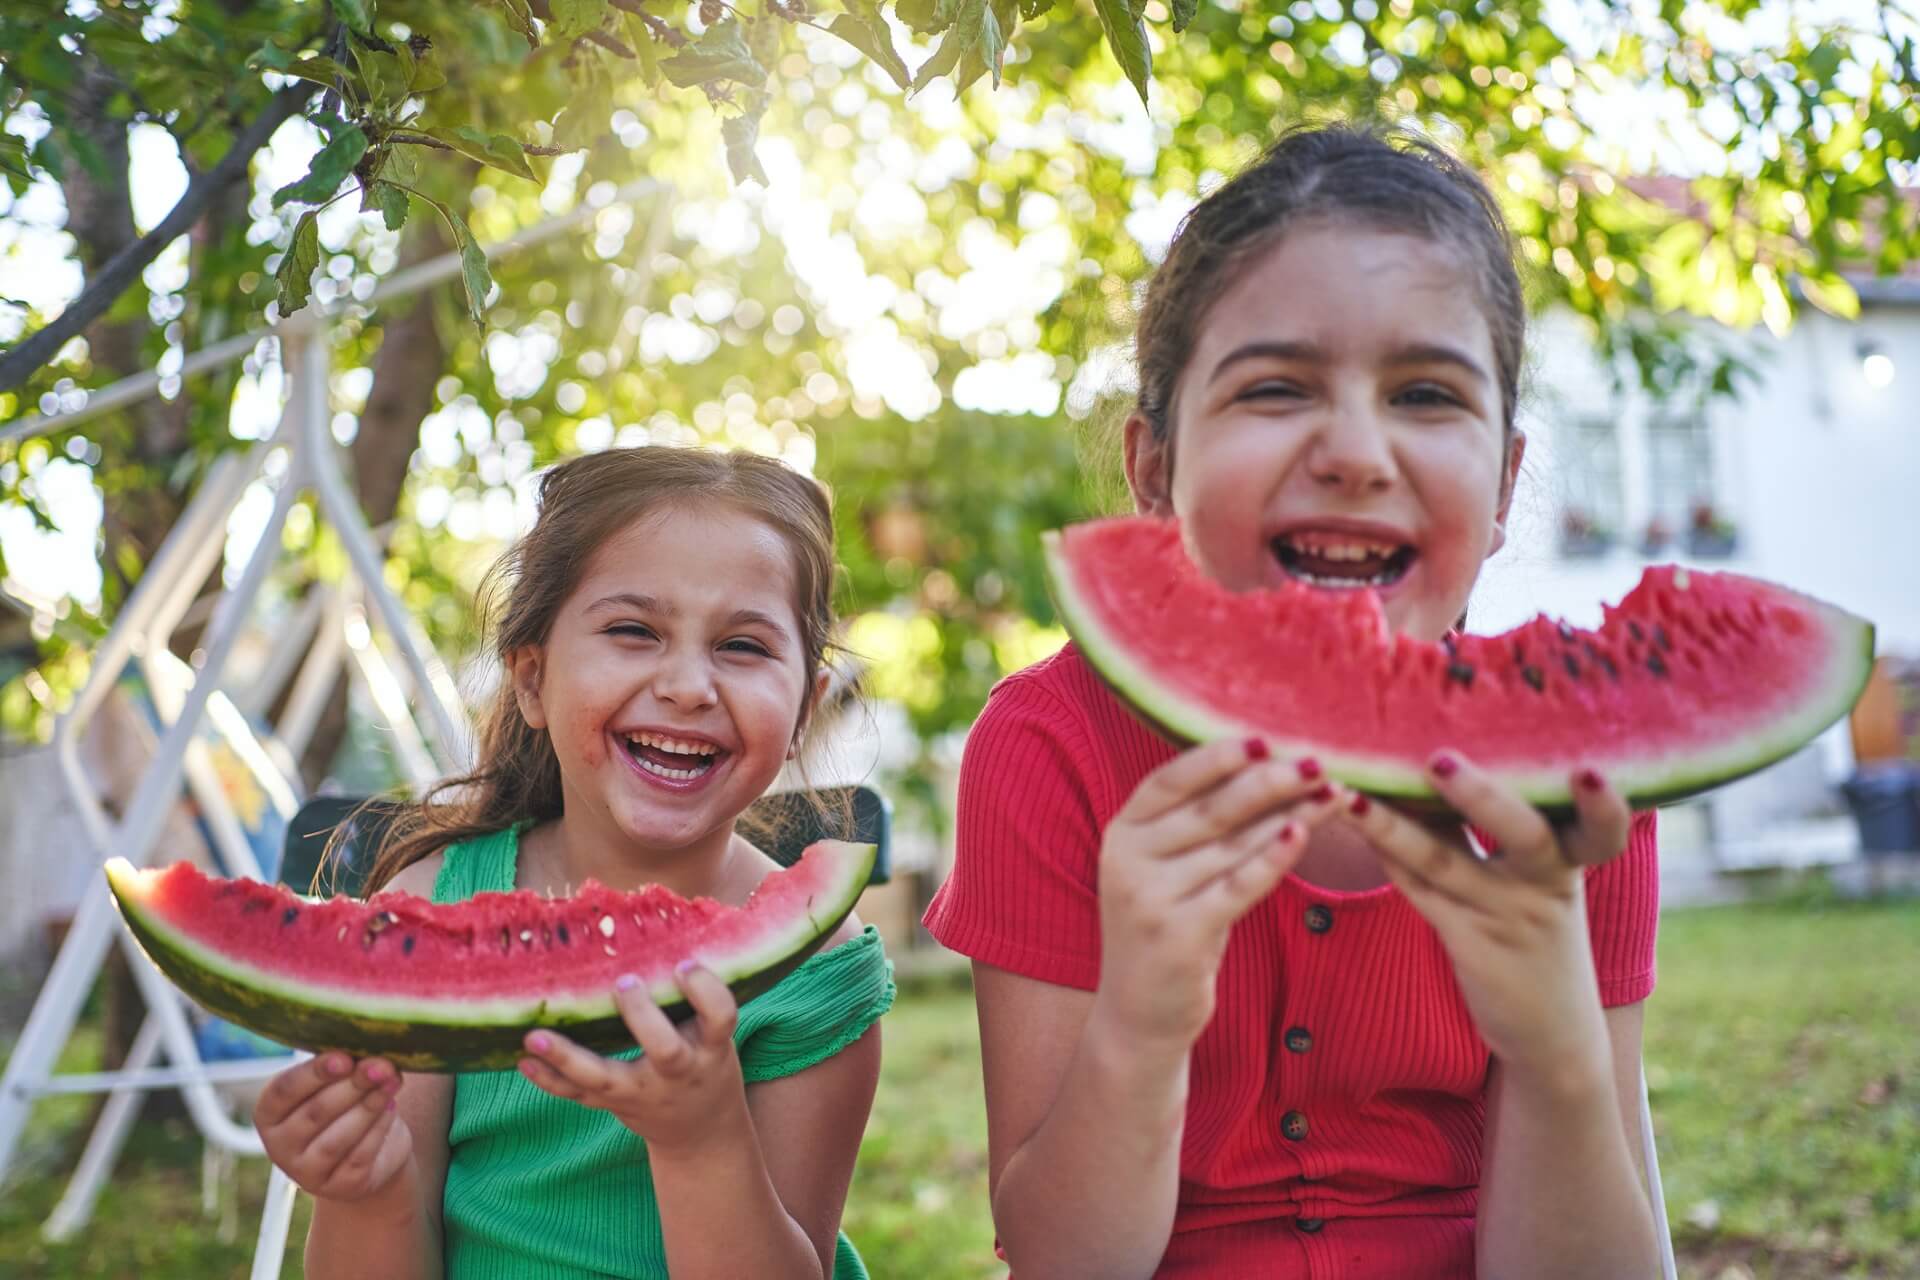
(569, 851)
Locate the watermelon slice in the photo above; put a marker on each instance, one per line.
(1693, 680)
(455, 986)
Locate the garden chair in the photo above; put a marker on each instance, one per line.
(792, 819)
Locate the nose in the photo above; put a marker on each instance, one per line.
(684, 678)
(1352, 452)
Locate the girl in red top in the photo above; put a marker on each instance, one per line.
(1237, 1021)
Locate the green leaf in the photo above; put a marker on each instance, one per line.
(997, 20)
(473, 274)
(1031, 9)
(1127, 34)
(741, 132)
(357, 15)
(497, 150)
(719, 54)
(1832, 294)
(1183, 13)
(865, 29)
(393, 204)
(329, 169)
(322, 71)
(423, 69)
(270, 56)
(926, 17)
(520, 18)
(572, 18)
(960, 38)
(295, 276)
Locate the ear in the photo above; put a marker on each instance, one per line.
(1516, 450)
(822, 679)
(1149, 468)
(524, 668)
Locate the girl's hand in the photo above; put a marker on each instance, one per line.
(673, 1094)
(1514, 924)
(1202, 839)
(330, 1123)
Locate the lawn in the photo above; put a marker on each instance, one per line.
(1783, 1049)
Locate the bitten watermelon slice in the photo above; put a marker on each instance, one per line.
(1693, 680)
(455, 986)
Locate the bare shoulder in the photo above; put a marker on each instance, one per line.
(417, 878)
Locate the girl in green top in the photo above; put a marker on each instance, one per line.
(662, 644)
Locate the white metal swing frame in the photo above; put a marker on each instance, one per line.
(150, 615)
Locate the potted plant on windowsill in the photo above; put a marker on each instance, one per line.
(1581, 538)
(1657, 536)
(1709, 534)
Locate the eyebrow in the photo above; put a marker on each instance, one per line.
(1415, 353)
(640, 603)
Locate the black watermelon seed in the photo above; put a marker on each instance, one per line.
(1573, 668)
(1660, 637)
(252, 905)
(1461, 671)
(1633, 629)
(406, 945)
(1533, 677)
(506, 941)
(288, 916)
(563, 933)
(1655, 665)
(1606, 663)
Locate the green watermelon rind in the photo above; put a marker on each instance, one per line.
(1645, 782)
(451, 1035)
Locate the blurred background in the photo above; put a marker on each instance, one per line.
(898, 245)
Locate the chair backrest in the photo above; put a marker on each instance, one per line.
(791, 820)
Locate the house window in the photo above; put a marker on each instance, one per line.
(1681, 510)
(1591, 495)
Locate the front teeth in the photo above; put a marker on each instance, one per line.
(678, 775)
(1342, 551)
(675, 745)
(1376, 580)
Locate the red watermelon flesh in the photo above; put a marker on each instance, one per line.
(1692, 680)
(455, 986)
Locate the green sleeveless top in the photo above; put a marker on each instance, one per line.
(540, 1188)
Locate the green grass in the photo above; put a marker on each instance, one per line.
(1783, 1048)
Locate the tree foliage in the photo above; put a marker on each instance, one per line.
(860, 263)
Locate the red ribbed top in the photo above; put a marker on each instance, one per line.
(1375, 1170)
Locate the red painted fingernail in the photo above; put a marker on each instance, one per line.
(376, 1073)
(539, 1042)
(1256, 748)
(1289, 832)
(1309, 768)
(1590, 780)
(338, 1066)
(1321, 794)
(1444, 766)
(1360, 806)
(625, 982)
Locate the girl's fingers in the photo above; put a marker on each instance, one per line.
(314, 1116)
(1444, 912)
(289, 1090)
(1527, 843)
(1188, 774)
(1248, 795)
(1232, 893)
(665, 1048)
(579, 1068)
(545, 1078)
(1427, 858)
(1604, 822)
(1191, 873)
(336, 1142)
(713, 1004)
(358, 1162)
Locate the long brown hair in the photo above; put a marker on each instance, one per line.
(583, 502)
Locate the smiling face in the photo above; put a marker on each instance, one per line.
(1339, 422)
(672, 681)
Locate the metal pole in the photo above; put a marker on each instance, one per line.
(316, 317)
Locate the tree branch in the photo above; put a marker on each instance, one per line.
(17, 365)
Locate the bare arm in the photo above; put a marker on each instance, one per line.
(398, 1230)
(1564, 1190)
(765, 1196)
(1083, 1132)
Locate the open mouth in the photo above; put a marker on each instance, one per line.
(1342, 560)
(674, 759)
